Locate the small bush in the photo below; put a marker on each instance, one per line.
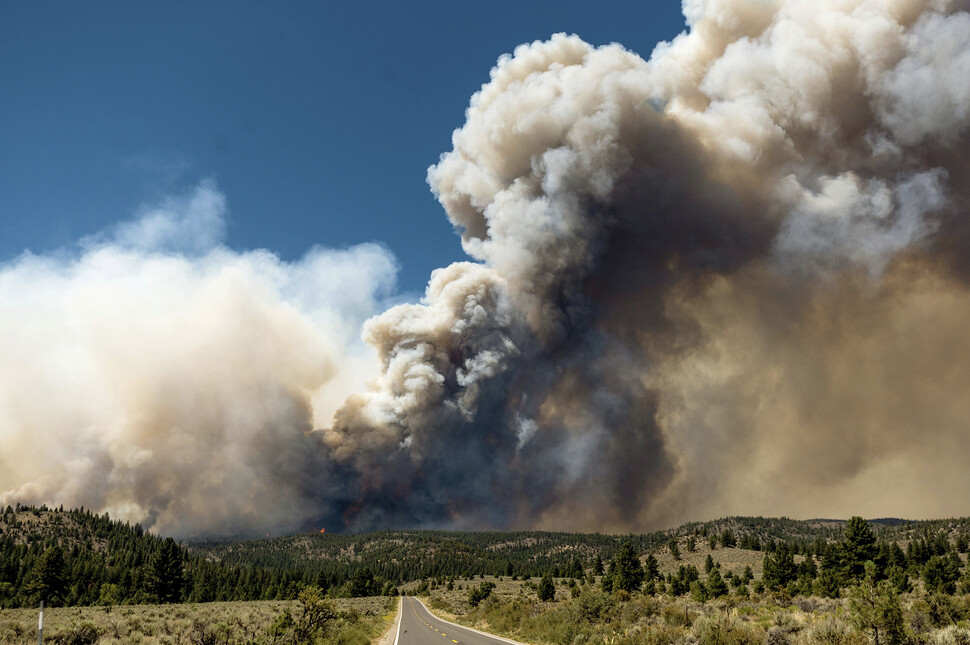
(593, 604)
(830, 631)
(84, 634)
(676, 616)
(951, 635)
(777, 636)
(724, 630)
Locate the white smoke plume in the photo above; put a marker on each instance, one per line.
(156, 375)
(731, 278)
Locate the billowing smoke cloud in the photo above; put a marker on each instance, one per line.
(156, 375)
(732, 278)
(727, 279)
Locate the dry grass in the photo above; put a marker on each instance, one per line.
(222, 622)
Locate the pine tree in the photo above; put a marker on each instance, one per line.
(362, 583)
(651, 568)
(166, 576)
(627, 573)
(858, 547)
(546, 590)
(874, 607)
(779, 567)
(576, 568)
(716, 586)
(47, 580)
(940, 575)
(674, 549)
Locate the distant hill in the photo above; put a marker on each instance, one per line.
(412, 554)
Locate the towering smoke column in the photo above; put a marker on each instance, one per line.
(729, 278)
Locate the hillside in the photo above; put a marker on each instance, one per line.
(77, 557)
(403, 556)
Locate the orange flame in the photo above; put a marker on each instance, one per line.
(323, 530)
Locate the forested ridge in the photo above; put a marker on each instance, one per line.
(76, 557)
(416, 554)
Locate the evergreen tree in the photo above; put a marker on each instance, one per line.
(962, 544)
(698, 592)
(940, 575)
(674, 549)
(576, 568)
(362, 583)
(627, 573)
(779, 567)
(827, 584)
(858, 547)
(898, 579)
(480, 593)
(716, 586)
(874, 608)
(651, 568)
(47, 580)
(166, 576)
(546, 590)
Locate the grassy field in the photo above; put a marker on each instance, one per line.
(225, 623)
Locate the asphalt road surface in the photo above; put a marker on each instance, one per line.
(419, 627)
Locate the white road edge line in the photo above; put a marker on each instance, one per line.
(471, 629)
(400, 619)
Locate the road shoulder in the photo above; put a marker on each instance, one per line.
(391, 635)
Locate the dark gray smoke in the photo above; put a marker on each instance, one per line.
(678, 260)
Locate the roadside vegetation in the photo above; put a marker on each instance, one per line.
(310, 619)
(859, 589)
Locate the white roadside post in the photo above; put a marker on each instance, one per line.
(40, 625)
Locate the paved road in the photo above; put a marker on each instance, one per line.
(419, 627)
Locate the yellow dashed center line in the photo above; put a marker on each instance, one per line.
(414, 609)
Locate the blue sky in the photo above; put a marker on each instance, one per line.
(316, 120)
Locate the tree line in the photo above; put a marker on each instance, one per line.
(77, 557)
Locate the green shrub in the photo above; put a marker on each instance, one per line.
(725, 630)
(830, 631)
(676, 616)
(84, 634)
(593, 605)
(951, 635)
(480, 593)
